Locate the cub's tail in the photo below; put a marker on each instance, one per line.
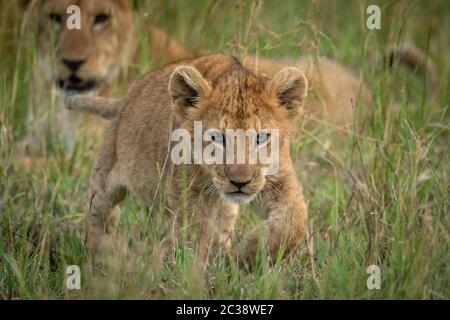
(106, 108)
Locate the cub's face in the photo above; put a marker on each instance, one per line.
(239, 114)
(82, 59)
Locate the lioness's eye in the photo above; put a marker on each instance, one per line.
(262, 138)
(218, 137)
(100, 18)
(56, 18)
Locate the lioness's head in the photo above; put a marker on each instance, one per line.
(235, 98)
(81, 59)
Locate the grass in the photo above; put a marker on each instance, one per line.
(379, 195)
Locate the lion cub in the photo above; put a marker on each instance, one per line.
(220, 93)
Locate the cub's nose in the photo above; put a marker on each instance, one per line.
(239, 184)
(73, 65)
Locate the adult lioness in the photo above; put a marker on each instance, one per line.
(92, 56)
(87, 60)
(223, 94)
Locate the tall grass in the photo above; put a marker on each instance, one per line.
(379, 195)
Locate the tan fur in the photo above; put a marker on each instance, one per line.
(103, 49)
(220, 92)
(334, 90)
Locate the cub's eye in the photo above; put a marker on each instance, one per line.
(218, 138)
(262, 138)
(101, 18)
(55, 18)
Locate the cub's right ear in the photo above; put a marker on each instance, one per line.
(186, 87)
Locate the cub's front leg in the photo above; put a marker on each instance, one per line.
(283, 199)
(216, 229)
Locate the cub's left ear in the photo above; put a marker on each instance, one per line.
(186, 87)
(290, 88)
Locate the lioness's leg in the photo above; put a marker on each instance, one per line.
(286, 220)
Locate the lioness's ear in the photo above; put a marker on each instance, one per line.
(186, 87)
(290, 87)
